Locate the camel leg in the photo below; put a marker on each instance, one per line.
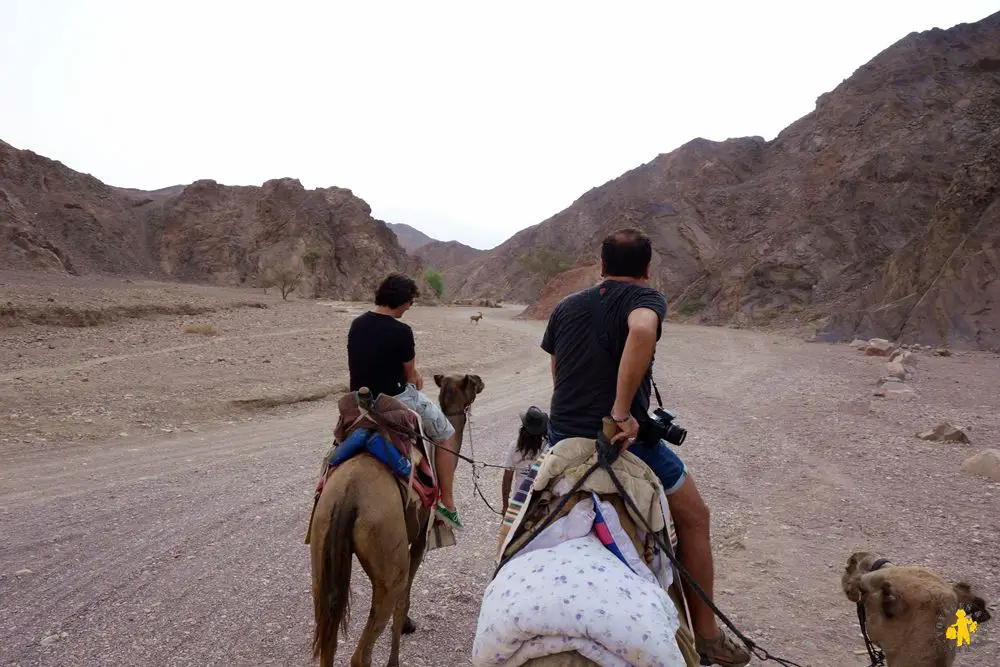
(383, 550)
(416, 557)
(384, 601)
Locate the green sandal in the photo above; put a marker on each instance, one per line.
(451, 516)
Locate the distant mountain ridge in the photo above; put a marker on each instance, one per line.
(875, 214)
(409, 237)
(55, 218)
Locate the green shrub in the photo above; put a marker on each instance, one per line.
(435, 280)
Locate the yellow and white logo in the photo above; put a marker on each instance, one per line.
(961, 630)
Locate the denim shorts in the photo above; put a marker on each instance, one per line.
(662, 460)
(432, 418)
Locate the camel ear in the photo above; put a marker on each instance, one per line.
(892, 604)
(973, 605)
(850, 580)
(438, 379)
(477, 382)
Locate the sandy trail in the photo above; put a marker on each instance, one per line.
(187, 549)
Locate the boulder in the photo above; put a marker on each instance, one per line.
(905, 357)
(896, 390)
(985, 464)
(879, 347)
(944, 432)
(896, 369)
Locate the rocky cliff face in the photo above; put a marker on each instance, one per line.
(55, 218)
(846, 213)
(409, 237)
(52, 217)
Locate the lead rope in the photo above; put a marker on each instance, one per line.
(875, 655)
(475, 468)
(606, 454)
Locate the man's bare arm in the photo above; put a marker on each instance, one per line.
(638, 353)
(412, 376)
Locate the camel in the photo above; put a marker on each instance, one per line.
(476, 318)
(540, 508)
(360, 512)
(908, 609)
(685, 640)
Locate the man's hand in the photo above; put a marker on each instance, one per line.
(412, 374)
(629, 429)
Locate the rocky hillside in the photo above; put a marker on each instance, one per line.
(52, 217)
(873, 215)
(447, 254)
(409, 237)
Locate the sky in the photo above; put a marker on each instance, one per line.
(467, 120)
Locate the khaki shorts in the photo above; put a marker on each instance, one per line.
(436, 426)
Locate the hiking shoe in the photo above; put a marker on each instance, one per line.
(451, 516)
(722, 650)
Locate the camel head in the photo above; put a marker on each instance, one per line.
(908, 609)
(458, 392)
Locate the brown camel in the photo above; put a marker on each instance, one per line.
(684, 636)
(360, 512)
(685, 640)
(908, 610)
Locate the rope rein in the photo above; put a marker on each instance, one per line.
(607, 452)
(477, 468)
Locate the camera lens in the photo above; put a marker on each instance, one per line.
(675, 434)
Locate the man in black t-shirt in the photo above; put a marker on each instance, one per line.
(606, 370)
(381, 355)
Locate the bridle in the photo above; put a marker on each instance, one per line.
(874, 654)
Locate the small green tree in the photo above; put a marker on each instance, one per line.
(435, 280)
(310, 257)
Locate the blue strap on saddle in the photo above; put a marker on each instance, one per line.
(364, 439)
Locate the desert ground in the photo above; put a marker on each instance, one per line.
(156, 483)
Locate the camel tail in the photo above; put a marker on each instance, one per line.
(333, 606)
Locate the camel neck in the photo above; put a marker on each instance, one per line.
(458, 421)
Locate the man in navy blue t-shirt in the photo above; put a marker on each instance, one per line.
(590, 383)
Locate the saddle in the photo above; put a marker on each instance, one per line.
(388, 431)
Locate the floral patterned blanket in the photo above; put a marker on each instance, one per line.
(567, 590)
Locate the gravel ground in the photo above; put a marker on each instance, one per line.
(167, 529)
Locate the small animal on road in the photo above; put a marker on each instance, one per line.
(476, 318)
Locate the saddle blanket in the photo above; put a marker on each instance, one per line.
(567, 590)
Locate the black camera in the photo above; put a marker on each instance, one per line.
(660, 426)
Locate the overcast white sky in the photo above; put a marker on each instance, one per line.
(468, 120)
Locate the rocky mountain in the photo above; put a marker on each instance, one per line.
(444, 255)
(52, 217)
(875, 214)
(409, 237)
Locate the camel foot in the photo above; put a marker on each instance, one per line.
(409, 627)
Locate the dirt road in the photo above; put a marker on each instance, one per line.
(186, 548)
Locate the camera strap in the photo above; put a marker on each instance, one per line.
(602, 339)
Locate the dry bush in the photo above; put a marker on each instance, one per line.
(203, 329)
(285, 277)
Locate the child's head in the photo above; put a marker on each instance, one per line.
(533, 432)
